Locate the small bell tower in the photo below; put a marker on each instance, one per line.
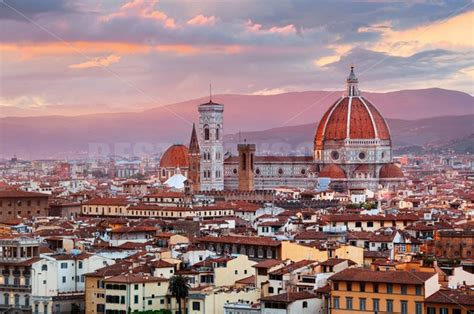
(246, 167)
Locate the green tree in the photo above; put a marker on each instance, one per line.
(179, 288)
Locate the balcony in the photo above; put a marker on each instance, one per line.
(15, 287)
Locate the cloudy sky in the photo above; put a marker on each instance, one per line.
(75, 57)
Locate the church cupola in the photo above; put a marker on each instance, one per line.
(352, 84)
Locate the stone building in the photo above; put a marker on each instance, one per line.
(17, 203)
(352, 148)
(16, 258)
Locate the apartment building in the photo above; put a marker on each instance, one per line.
(356, 290)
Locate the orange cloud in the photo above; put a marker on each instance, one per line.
(201, 20)
(27, 51)
(97, 62)
(454, 33)
(143, 9)
(31, 50)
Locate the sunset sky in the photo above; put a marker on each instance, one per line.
(76, 57)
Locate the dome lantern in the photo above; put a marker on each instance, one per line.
(352, 84)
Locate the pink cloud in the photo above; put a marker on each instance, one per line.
(143, 9)
(96, 62)
(202, 20)
(253, 27)
(283, 30)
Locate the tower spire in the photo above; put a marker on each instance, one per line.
(194, 144)
(352, 84)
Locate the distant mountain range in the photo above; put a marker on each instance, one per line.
(416, 117)
(449, 132)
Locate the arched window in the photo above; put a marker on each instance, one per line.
(217, 133)
(251, 162)
(44, 267)
(305, 304)
(206, 133)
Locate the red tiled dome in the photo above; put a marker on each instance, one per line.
(362, 168)
(175, 156)
(332, 171)
(390, 171)
(351, 117)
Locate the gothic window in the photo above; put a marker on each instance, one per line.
(244, 161)
(280, 171)
(217, 134)
(206, 133)
(251, 162)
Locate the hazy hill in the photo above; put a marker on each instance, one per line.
(154, 129)
(431, 132)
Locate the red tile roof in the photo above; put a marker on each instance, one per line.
(134, 278)
(20, 193)
(449, 296)
(111, 201)
(241, 240)
(367, 275)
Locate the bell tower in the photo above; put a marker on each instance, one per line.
(211, 136)
(246, 167)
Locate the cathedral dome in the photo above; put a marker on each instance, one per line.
(351, 117)
(390, 171)
(332, 171)
(175, 156)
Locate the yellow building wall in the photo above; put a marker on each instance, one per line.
(370, 295)
(297, 252)
(351, 252)
(238, 268)
(92, 293)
